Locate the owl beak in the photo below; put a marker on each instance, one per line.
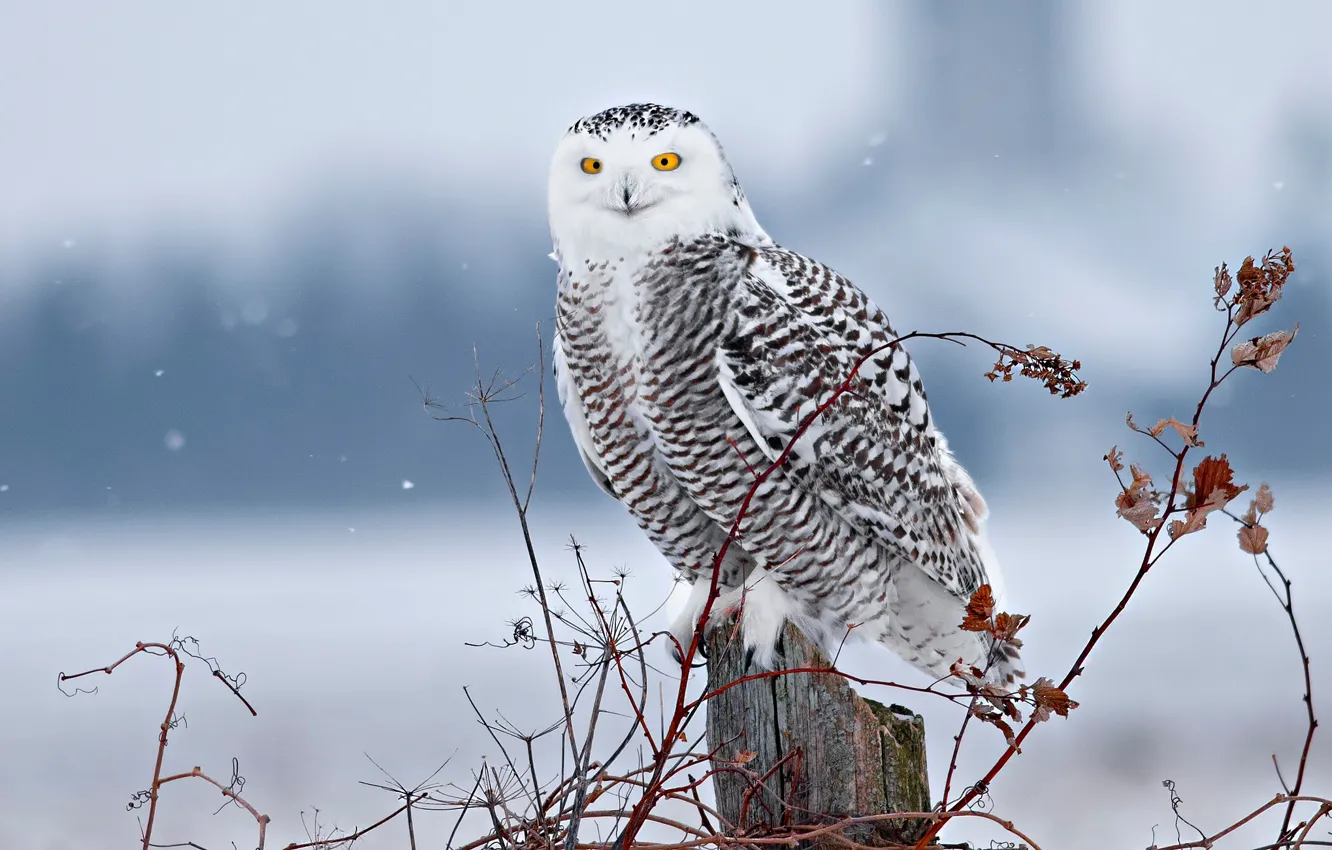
(628, 196)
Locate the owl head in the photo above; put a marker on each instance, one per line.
(633, 176)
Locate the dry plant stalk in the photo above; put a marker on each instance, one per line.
(174, 650)
(597, 651)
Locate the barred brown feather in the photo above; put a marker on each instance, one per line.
(689, 350)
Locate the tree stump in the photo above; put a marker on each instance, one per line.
(803, 748)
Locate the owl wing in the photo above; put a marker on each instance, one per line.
(796, 331)
(574, 413)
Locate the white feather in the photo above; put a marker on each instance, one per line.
(572, 405)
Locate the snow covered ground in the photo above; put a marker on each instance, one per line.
(350, 629)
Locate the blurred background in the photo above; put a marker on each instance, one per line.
(238, 244)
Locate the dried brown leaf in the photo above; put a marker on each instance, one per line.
(1261, 285)
(1006, 626)
(994, 718)
(1126, 499)
(1141, 511)
(1051, 698)
(1003, 726)
(1248, 273)
(1263, 352)
(1137, 504)
(980, 608)
(1187, 433)
(1261, 503)
(970, 675)
(1142, 479)
(1256, 305)
(1222, 282)
(1213, 477)
(994, 695)
(1262, 500)
(1115, 458)
(1212, 481)
(1195, 520)
(745, 757)
(1253, 539)
(1039, 362)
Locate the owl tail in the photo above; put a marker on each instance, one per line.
(924, 627)
(936, 654)
(1004, 666)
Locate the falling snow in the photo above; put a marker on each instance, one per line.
(254, 312)
(407, 485)
(174, 440)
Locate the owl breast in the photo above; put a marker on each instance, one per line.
(640, 344)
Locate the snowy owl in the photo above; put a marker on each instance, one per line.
(689, 347)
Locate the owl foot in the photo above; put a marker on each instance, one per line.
(682, 627)
(762, 604)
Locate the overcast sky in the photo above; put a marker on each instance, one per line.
(119, 116)
(153, 106)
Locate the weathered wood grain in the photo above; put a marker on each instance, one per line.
(805, 748)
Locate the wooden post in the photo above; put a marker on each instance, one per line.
(809, 750)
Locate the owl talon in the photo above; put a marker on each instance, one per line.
(701, 651)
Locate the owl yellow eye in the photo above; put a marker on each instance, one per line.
(591, 165)
(666, 161)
